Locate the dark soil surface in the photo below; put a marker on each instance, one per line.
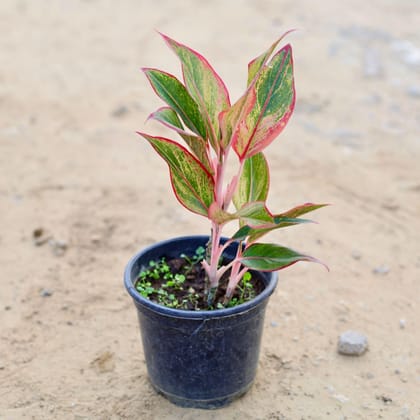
(193, 291)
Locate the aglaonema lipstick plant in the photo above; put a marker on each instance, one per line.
(215, 133)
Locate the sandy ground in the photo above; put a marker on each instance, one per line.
(71, 98)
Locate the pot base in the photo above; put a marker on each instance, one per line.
(211, 404)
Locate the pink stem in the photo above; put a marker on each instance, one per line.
(216, 249)
(215, 255)
(235, 275)
(223, 199)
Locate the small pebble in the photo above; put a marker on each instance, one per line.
(59, 247)
(120, 111)
(413, 91)
(382, 270)
(40, 236)
(373, 99)
(95, 239)
(394, 128)
(405, 413)
(105, 362)
(402, 323)
(334, 48)
(372, 64)
(409, 53)
(330, 389)
(352, 343)
(384, 398)
(310, 127)
(342, 133)
(274, 324)
(367, 375)
(346, 137)
(390, 206)
(46, 293)
(341, 398)
(356, 255)
(364, 34)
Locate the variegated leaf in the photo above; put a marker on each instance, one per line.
(168, 117)
(289, 218)
(274, 93)
(255, 233)
(218, 215)
(272, 257)
(255, 214)
(230, 119)
(204, 85)
(174, 93)
(259, 62)
(302, 209)
(254, 181)
(193, 184)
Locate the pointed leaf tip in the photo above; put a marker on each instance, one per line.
(174, 93)
(255, 66)
(204, 85)
(263, 112)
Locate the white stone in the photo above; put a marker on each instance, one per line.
(352, 343)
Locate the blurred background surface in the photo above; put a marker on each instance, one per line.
(80, 192)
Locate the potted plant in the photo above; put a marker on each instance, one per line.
(201, 299)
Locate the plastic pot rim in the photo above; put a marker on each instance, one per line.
(186, 314)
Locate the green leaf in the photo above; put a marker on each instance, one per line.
(254, 181)
(242, 233)
(218, 215)
(174, 93)
(199, 147)
(302, 209)
(256, 220)
(192, 183)
(230, 118)
(267, 106)
(204, 85)
(254, 229)
(255, 214)
(168, 117)
(272, 257)
(254, 233)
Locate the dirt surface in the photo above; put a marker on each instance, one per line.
(71, 166)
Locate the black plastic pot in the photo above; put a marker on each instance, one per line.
(201, 359)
